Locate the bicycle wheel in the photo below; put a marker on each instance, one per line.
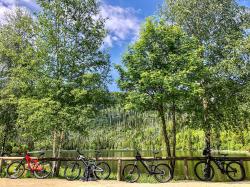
(72, 171)
(204, 171)
(235, 171)
(131, 173)
(162, 173)
(15, 170)
(43, 170)
(102, 170)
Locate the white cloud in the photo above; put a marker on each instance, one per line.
(121, 23)
(29, 4)
(7, 6)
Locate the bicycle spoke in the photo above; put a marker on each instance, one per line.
(235, 171)
(72, 171)
(102, 170)
(43, 170)
(15, 170)
(162, 173)
(131, 173)
(204, 171)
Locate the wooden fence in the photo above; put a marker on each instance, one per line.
(119, 161)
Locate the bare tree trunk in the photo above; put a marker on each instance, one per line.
(164, 130)
(54, 152)
(58, 164)
(174, 134)
(174, 128)
(206, 124)
(4, 141)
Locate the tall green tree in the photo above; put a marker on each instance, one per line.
(219, 26)
(72, 82)
(17, 62)
(159, 69)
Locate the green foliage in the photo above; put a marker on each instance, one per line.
(161, 68)
(17, 62)
(120, 129)
(54, 69)
(54, 76)
(220, 28)
(160, 65)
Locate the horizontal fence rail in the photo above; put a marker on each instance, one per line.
(130, 158)
(122, 159)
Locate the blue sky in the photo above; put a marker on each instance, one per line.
(125, 19)
(136, 12)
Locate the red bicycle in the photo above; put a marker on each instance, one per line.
(40, 169)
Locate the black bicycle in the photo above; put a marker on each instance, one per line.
(100, 169)
(161, 172)
(204, 170)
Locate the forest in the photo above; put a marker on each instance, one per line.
(184, 83)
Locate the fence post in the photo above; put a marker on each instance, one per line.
(186, 169)
(1, 165)
(119, 168)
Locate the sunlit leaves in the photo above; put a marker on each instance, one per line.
(163, 63)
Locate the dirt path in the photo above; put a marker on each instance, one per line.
(65, 183)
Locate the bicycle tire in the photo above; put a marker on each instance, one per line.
(44, 171)
(128, 170)
(163, 169)
(72, 171)
(105, 170)
(199, 171)
(232, 169)
(17, 173)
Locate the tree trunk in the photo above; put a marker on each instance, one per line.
(164, 130)
(174, 128)
(206, 124)
(4, 141)
(174, 134)
(242, 138)
(218, 141)
(54, 152)
(58, 164)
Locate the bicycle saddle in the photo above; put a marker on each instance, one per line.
(81, 157)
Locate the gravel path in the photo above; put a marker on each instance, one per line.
(65, 183)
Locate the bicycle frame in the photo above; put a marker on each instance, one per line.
(35, 167)
(150, 171)
(220, 163)
(87, 161)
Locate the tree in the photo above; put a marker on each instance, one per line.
(159, 69)
(72, 81)
(219, 26)
(17, 62)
